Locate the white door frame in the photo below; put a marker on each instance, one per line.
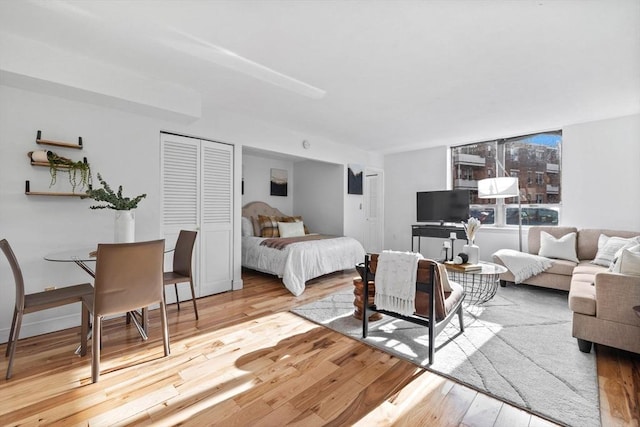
(379, 244)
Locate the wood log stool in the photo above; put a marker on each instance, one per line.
(358, 292)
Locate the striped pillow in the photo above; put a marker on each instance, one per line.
(268, 226)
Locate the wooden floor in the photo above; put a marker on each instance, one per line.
(248, 361)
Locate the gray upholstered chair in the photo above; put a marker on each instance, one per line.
(182, 270)
(30, 303)
(128, 277)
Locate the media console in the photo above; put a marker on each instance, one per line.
(436, 231)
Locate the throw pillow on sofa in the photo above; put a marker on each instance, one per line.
(628, 262)
(609, 246)
(561, 248)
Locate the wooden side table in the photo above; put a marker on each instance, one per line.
(358, 292)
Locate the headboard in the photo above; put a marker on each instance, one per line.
(252, 209)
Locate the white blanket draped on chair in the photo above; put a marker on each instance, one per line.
(396, 282)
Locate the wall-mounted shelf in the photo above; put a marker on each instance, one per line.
(41, 141)
(28, 192)
(47, 164)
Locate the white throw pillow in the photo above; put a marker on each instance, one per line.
(562, 248)
(608, 248)
(247, 227)
(628, 262)
(291, 229)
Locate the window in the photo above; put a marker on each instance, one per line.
(523, 157)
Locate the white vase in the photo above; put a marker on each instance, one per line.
(473, 252)
(124, 227)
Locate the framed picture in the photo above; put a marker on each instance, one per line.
(279, 178)
(354, 179)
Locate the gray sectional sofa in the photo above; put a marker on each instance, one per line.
(602, 301)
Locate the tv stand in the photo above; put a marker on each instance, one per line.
(436, 231)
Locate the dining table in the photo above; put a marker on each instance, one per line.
(84, 258)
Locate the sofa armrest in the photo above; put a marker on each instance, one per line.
(616, 294)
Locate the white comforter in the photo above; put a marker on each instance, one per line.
(302, 261)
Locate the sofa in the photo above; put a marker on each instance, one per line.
(602, 301)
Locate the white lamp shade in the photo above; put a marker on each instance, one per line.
(498, 188)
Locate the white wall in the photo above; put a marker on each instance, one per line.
(601, 174)
(318, 196)
(405, 174)
(257, 187)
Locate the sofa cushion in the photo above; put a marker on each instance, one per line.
(582, 296)
(561, 248)
(561, 266)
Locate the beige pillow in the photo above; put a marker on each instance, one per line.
(291, 229)
(628, 262)
(562, 248)
(608, 248)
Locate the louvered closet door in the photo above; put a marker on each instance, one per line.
(216, 223)
(196, 195)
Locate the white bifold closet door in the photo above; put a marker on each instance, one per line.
(197, 194)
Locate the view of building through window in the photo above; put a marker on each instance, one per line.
(533, 159)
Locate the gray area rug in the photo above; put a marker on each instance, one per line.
(517, 347)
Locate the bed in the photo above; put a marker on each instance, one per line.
(294, 259)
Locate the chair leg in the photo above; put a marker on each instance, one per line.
(14, 342)
(461, 318)
(175, 286)
(84, 331)
(12, 331)
(165, 328)
(193, 297)
(95, 348)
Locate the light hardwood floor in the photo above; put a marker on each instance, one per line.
(248, 361)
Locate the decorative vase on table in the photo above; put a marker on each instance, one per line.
(124, 207)
(473, 252)
(124, 226)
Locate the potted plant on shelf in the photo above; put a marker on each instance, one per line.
(79, 172)
(124, 207)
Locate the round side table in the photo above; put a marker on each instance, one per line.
(480, 285)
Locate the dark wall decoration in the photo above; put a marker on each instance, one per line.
(354, 179)
(279, 179)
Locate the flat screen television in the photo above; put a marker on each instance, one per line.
(443, 206)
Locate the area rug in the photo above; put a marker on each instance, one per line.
(517, 347)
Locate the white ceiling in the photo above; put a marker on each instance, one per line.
(381, 75)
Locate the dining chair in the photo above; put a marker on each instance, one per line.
(128, 278)
(30, 303)
(182, 270)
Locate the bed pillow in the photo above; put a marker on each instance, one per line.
(291, 229)
(609, 248)
(295, 219)
(268, 226)
(628, 262)
(247, 227)
(561, 248)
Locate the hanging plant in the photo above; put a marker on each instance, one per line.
(79, 173)
(114, 200)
